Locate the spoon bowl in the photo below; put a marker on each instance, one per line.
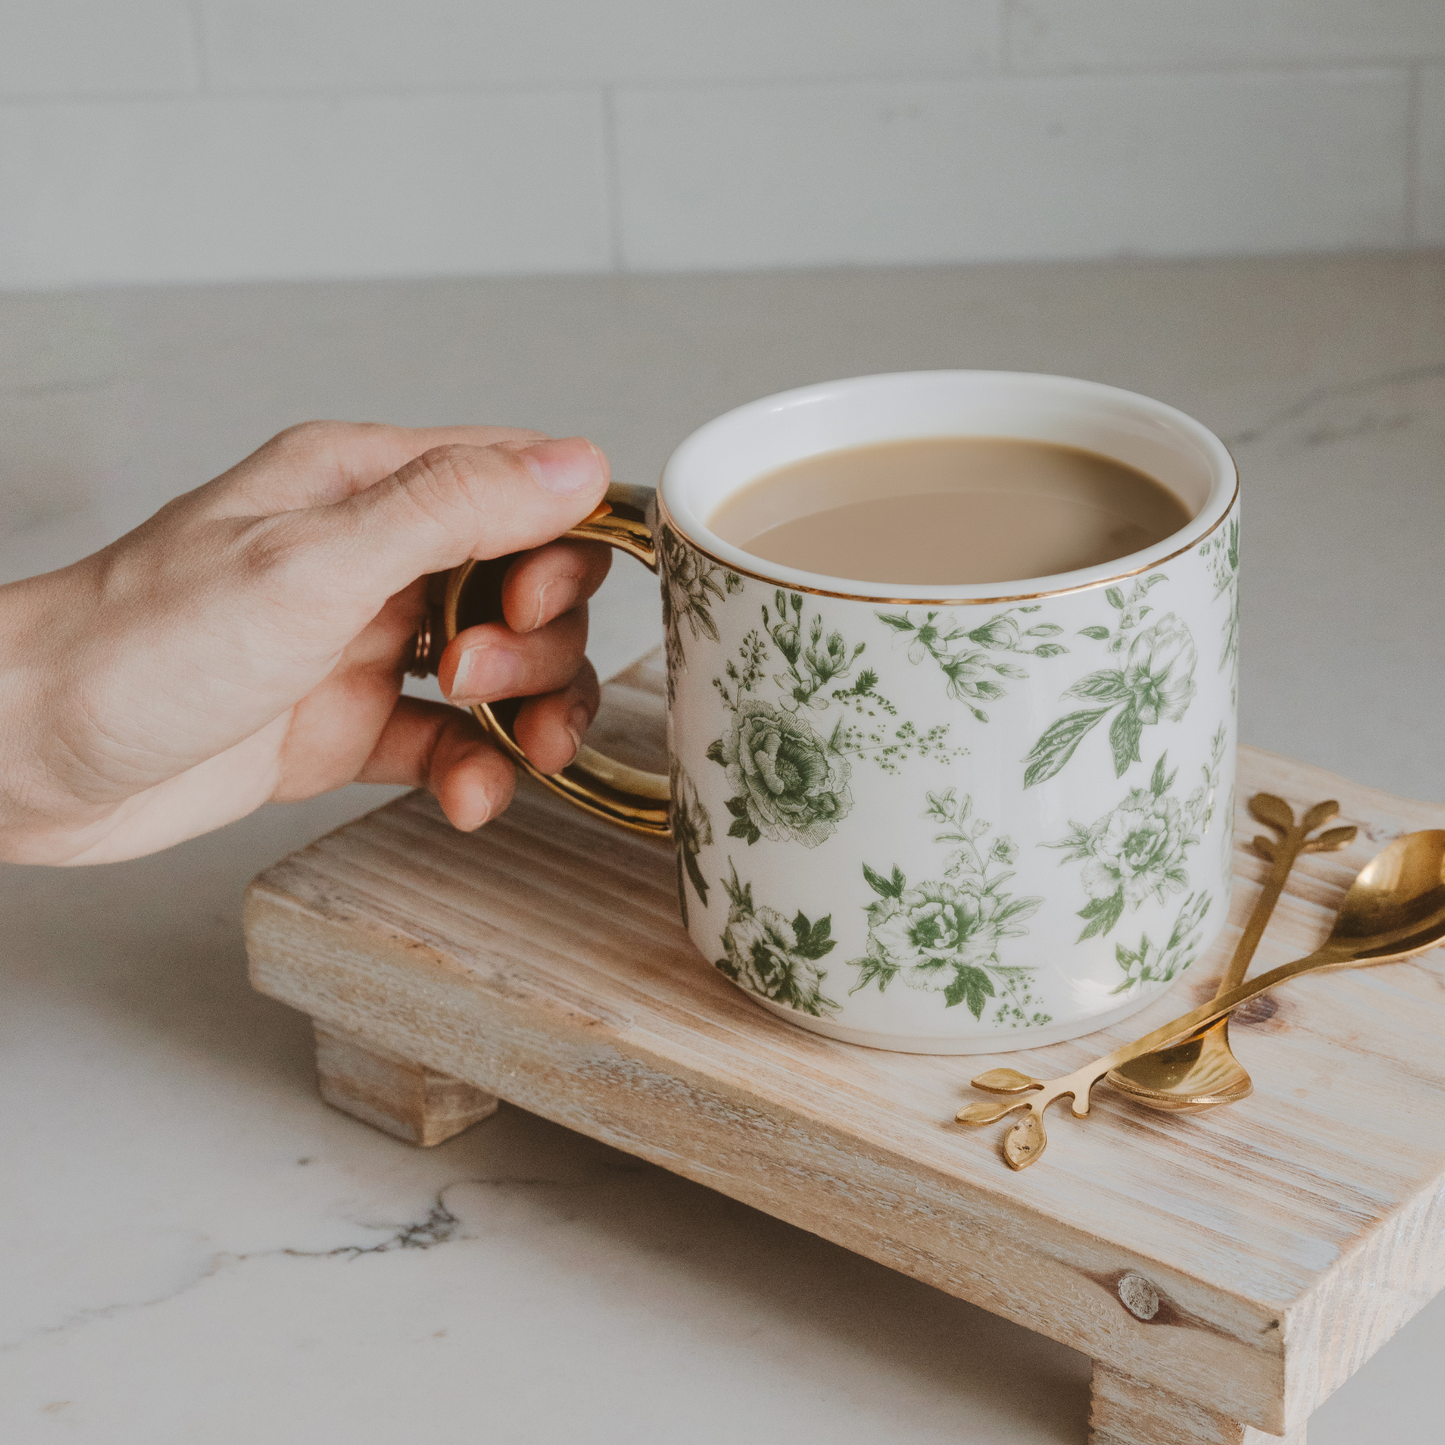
(1200, 1073)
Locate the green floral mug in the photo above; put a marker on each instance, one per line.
(940, 819)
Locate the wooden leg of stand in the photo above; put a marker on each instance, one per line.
(1126, 1411)
(404, 1099)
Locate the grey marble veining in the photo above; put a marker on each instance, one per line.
(196, 1249)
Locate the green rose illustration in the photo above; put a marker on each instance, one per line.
(934, 928)
(1160, 671)
(1138, 849)
(945, 935)
(767, 955)
(787, 782)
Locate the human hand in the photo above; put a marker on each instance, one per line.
(247, 643)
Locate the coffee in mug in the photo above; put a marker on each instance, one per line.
(950, 509)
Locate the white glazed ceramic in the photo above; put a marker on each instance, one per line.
(952, 819)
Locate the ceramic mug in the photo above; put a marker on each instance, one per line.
(938, 819)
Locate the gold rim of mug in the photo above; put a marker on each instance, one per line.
(665, 516)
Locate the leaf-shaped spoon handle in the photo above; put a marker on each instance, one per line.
(1394, 908)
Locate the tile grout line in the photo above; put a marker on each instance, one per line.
(1009, 76)
(1003, 61)
(198, 46)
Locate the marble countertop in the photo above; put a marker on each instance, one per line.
(195, 1249)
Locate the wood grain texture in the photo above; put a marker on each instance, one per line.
(1126, 1411)
(403, 1099)
(1287, 1237)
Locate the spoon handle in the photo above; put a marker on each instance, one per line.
(1026, 1141)
(1285, 853)
(1219, 1006)
(1294, 840)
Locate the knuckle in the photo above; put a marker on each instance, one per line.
(309, 438)
(451, 477)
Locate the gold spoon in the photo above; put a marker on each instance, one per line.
(1201, 1072)
(1395, 907)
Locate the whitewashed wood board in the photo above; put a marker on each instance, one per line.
(1288, 1237)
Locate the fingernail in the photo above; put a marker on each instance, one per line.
(578, 721)
(565, 467)
(486, 673)
(563, 592)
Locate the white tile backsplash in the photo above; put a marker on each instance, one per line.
(1430, 158)
(822, 175)
(212, 189)
(176, 140)
(88, 47)
(429, 44)
(1220, 34)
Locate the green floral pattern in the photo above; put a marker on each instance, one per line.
(826, 709)
(1222, 551)
(690, 585)
(945, 935)
(1137, 850)
(963, 655)
(1152, 963)
(772, 957)
(789, 780)
(691, 832)
(1152, 682)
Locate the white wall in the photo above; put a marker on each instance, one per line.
(179, 140)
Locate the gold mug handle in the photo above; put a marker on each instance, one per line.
(472, 593)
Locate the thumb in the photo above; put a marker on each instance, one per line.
(458, 502)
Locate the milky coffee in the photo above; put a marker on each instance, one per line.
(951, 509)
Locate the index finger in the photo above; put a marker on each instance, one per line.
(319, 462)
(443, 507)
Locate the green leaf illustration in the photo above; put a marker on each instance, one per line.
(812, 938)
(1102, 914)
(1124, 734)
(743, 826)
(1116, 598)
(895, 621)
(1057, 745)
(1161, 782)
(873, 968)
(971, 986)
(695, 873)
(1099, 634)
(1106, 686)
(715, 751)
(885, 887)
(1018, 909)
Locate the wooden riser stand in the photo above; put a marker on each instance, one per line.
(1225, 1271)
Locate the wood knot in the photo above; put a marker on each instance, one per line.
(1258, 1010)
(1140, 1297)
